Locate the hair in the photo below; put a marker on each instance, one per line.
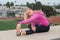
(26, 16)
(34, 7)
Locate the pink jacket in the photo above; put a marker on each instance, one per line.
(36, 18)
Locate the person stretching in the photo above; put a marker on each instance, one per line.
(39, 23)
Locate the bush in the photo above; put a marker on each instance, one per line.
(49, 11)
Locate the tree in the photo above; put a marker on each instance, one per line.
(48, 3)
(48, 10)
(57, 6)
(30, 5)
(54, 4)
(4, 5)
(35, 0)
(15, 1)
(38, 5)
(8, 4)
(27, 3)
(12, 4)
(0, 4)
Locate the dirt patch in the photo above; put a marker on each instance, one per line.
(11, 18)
(54, 20)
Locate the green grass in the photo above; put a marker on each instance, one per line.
(58, 14)
(9, 25)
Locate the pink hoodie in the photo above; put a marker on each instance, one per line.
(36, 18)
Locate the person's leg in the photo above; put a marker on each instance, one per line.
(42, 28)
(30, 31)
(27, 32)
(20, 32)
(29, 26)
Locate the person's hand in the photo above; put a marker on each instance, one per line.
(18, 28)
(18, 31)
(34, 29)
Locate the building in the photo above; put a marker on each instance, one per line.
(57, 10)
(3, 13)
(7, 12)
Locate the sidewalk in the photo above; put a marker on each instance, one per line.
(52, 34)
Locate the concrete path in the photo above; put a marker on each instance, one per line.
(52, 34)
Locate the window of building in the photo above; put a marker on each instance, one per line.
(0, 14)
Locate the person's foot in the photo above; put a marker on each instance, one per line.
(20, 33)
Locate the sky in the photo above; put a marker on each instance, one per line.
(19, 2)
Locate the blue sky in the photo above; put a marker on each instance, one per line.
(31, 1)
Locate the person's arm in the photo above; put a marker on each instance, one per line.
(33, 26)
(33, 18)
(18, 28)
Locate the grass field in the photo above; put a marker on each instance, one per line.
(58, 15)
(9, 25)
